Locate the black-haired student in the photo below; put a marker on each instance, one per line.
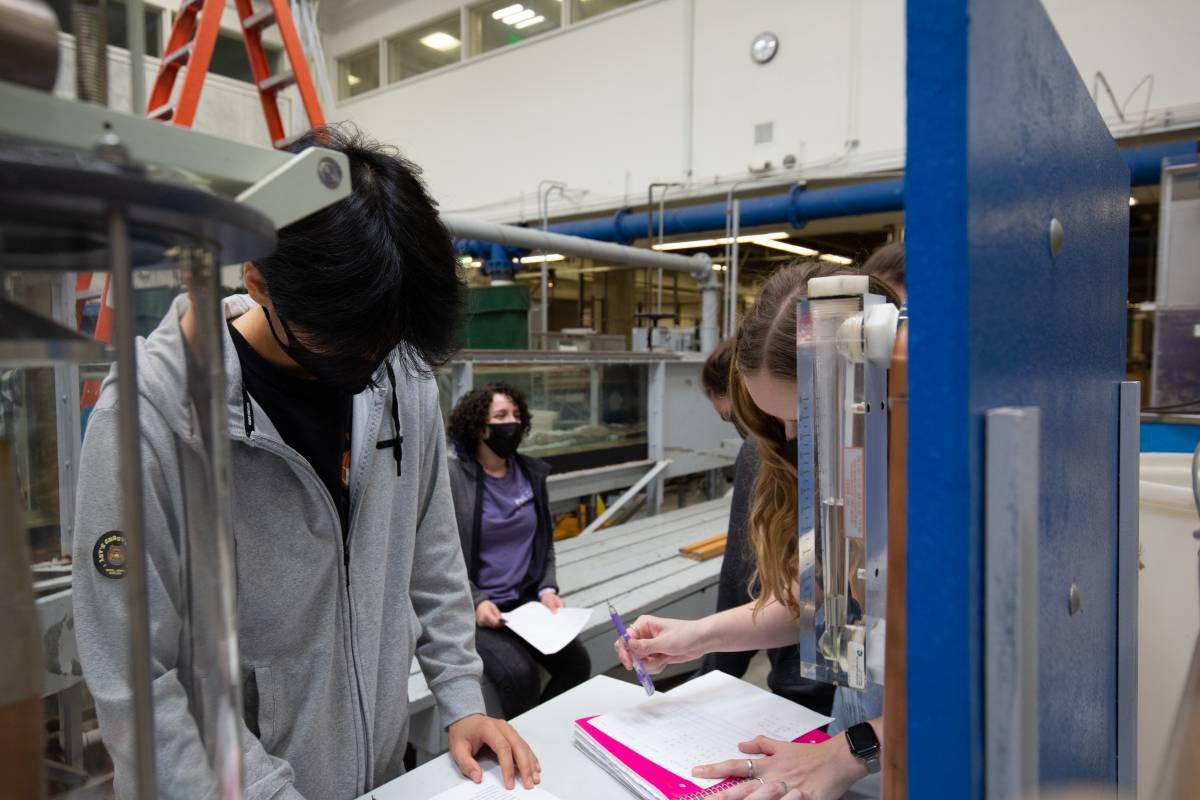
(342, 516)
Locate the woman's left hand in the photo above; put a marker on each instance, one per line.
(789, 771)
(552, 601)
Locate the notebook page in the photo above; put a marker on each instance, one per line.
(703, 721)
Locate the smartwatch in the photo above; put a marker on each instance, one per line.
(864, 745)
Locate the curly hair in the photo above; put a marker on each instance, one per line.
(766, 341)
(468, 420)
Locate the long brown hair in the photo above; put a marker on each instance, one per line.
(766, 340)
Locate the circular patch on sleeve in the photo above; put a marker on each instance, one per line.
(109, 554)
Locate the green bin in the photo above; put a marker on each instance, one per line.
(497, 318)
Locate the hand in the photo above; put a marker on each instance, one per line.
(822, 771)
(487, 614)
(552, 601)
(470, 734)
(659, 642)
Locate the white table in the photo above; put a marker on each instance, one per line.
(549, 729)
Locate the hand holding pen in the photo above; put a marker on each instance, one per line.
(656, 642)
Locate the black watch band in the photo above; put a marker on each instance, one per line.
(864, 745)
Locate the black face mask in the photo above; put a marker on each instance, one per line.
(791, 451)
(504, 438)
(349, 373)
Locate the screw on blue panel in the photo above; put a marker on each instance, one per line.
(1056, 237)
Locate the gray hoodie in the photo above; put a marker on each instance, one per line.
(325, 655)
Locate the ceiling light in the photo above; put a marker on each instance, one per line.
(832, 259)
(353, 80)
(787, 247)
(439, 41)
(520, 16)
(507, 10)
(530, 22)
(715, 242)
(1133, 201)
(541, 259)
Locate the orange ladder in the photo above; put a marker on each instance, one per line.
(193, 37)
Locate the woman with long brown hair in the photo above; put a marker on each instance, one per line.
(763, 389)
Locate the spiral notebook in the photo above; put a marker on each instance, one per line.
(652, 747)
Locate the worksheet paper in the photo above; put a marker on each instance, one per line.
(545, 630)
(492, 788)
(703, 721)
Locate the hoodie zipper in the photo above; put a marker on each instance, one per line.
(292, 457)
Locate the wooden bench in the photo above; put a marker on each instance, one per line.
(637, 567)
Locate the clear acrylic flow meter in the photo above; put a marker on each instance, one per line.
(844, 339)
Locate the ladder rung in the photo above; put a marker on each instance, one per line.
(260, 20)
(277, 82)
(288, 141)
(179, 57)
(165, 112)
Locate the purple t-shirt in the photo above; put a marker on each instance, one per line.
(507, 526)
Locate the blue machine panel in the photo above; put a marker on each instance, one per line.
(1002, 138)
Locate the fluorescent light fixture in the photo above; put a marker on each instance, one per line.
(787, 247)
(723, 240)
(832, 259)
(718, 267)
(1133, 201)
(439, 41)
(520, 16)
(530, 22)
(507, 11)
(353, 80)
(540, 259)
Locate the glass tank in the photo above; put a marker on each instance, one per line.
(583, 414)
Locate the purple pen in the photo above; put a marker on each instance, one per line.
(638, 667)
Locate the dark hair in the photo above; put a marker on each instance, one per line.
(887, 264)
(375, 271)
(715, 374)
(766, 341)
(469, 418)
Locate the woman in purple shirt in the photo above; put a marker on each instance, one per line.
(503, 514)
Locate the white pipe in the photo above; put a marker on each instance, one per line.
(709, 332)
(699, 265)
(627, 496)
(735, 224)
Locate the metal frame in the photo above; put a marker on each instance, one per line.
(1011, 602)
(656, 392)
(230, 166)
(1128, 477)
(67, 417)
(1171, 168)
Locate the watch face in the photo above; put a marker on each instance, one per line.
(764, 47)
(862, 738)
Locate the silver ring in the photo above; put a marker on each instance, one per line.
(761, 782)
(749, 769)
(784, 785)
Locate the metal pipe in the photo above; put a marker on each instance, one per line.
(132, 510)
(544, 189)
(135, 26)
(516, 237)
(798, 205)
(731, 268)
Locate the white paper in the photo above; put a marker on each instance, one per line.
(492, 788)
(545, 630)
(703, 721)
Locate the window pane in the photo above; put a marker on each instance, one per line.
(586, 9)
(499, 23)
(114, 14)
(422, 49)
(358, 72)
(229, 58)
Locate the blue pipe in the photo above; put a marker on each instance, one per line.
(797, 206)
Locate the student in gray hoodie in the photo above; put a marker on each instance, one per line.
(347, 553)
